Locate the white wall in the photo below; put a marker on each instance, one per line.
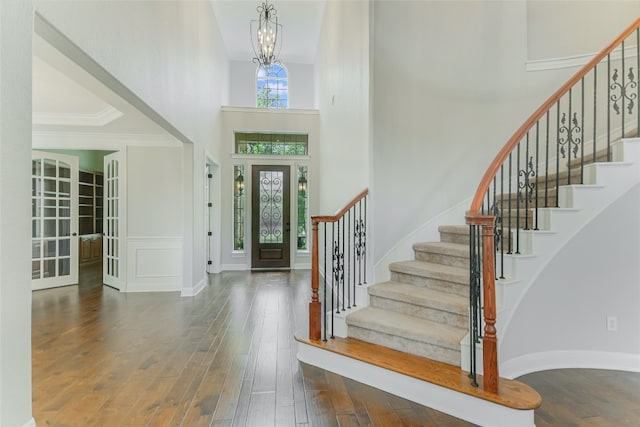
(243, 84)
(262, 120)
(168, 60)
(15, 158)
(557, 29)
(566, 308)
(449, 88)
(342, 94)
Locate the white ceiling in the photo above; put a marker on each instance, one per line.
(300, 19)
(67, 99)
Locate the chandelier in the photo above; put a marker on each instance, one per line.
(267, 33)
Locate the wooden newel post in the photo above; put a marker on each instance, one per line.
(315, 307)
(490, 339)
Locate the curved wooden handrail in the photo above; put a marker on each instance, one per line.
(493, 169)
(341, 212)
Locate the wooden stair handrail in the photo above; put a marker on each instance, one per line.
(485, 222)
(315, 307)
(341, 212)
(493, 169)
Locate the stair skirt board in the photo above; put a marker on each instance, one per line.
(460, 405)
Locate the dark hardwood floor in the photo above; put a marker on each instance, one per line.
(227, 358)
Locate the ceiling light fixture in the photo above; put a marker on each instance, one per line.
(267, 33)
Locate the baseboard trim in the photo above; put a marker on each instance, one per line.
(477, 411)
(30, 423)
(192, 292)
(545, 361)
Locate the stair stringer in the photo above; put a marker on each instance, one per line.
(579, 205)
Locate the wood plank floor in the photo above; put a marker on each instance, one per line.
(227, 358)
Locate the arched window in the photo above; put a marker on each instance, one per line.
(272, 86)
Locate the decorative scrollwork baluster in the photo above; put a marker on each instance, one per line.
(360, 242)
(572, 140)
(338, 270)
(528, 185)
(621, 92)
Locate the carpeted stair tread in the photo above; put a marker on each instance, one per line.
(431, 270)
(454, 229)
(443, 248)
(424, 297)
(409, 327)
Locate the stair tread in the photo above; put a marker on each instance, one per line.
(454, 229)
(409, 327)
(431, 270)
(445, 248)
(421, 296)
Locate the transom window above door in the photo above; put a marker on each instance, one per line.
(278, 144)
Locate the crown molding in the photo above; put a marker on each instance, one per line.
(576, 60)
(101, 118)
(99, 140)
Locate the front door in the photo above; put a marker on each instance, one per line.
(270, 217)
(54, 207)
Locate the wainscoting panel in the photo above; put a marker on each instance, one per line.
(155, 264)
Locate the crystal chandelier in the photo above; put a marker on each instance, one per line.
(267, 33)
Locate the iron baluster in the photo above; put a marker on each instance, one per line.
(509, 205)
(536, 171)
(608, 108)
(348, 267)
(546, 167)
(557, 150)
(502, 221)
(364, 244)
(518, 201)
(595, 110)
(582, 131)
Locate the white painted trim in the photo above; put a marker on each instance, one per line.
(99, 140)
(478, 411)
(192, 292)
(575, 60)
(312, 112)
(154, 264)
(235, 267)
(101, 118)
(544, 361)
(30, 423)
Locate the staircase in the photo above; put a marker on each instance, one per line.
(527, 207)
(424, 308)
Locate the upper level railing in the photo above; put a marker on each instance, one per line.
(575, 126)
(339, 249)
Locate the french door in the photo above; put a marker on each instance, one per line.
(54, 224)
(113, 272)
(270, 224)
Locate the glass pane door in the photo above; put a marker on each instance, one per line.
(113, 271)
(54, 241)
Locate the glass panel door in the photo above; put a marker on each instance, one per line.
(113, 250)
(54, 223)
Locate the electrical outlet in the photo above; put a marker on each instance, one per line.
(612, 323)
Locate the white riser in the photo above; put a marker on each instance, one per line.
(580, 204)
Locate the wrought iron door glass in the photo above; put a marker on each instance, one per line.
(271, 207)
